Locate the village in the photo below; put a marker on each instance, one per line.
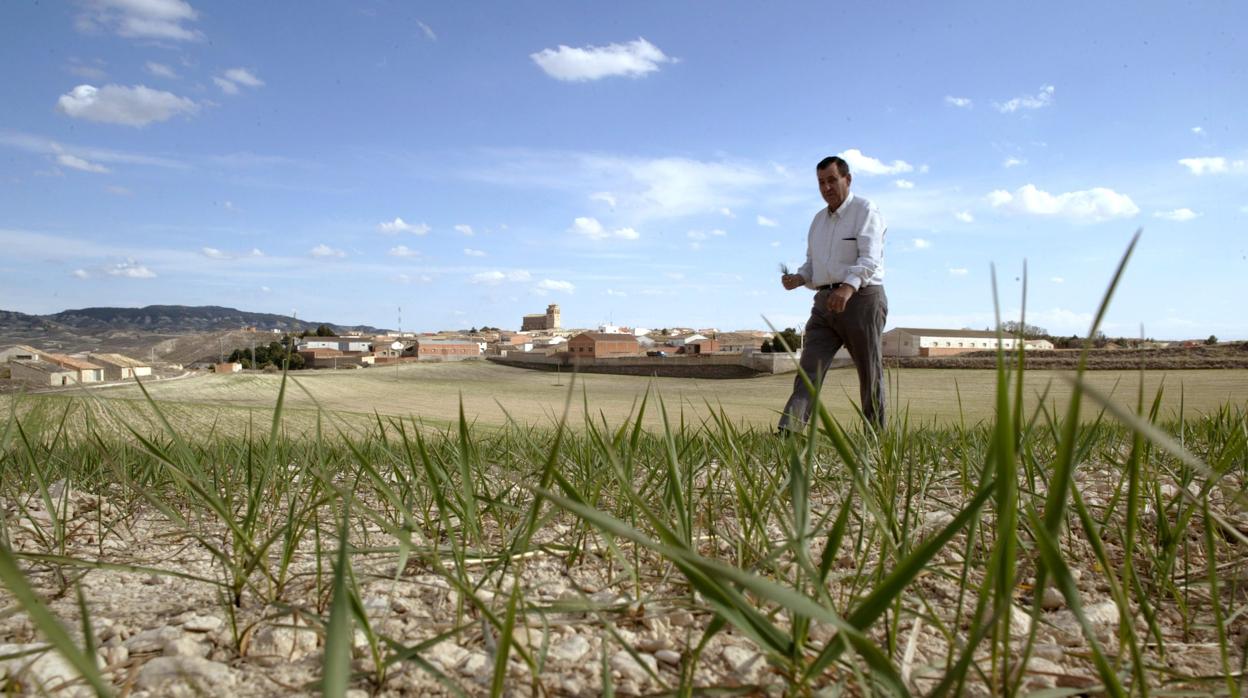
(541, 342)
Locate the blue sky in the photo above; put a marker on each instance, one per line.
(644, 163)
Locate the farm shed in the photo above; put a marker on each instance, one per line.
(119, 367)
(910, 341)
(41, 373)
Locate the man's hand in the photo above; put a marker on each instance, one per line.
(792, 281)
(839, 297)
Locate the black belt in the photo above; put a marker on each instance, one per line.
(829, 286)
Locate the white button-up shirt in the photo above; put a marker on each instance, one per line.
(845, 246)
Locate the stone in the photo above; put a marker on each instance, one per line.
(202, 624)
(1020, 621)
(746, 664)
(630, 668)
(152, 639)
(40, 672)
(1049, 651)
(474, 664)
(668, 657)
(446, 654)
(185, 647)
(571, 650)
(1052, 599)
(289, 642)
(1042, 673)
(185, 676)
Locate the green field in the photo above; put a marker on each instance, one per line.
(221, 540)
(490, 393)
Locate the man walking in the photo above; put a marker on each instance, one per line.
(845, 267)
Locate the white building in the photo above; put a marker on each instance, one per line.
(343, 344)
(118, 367)
(911, 341)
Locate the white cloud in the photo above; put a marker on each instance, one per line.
(1041, 99)
(1097, 204)
(1013, 162)
(865, 164)
(229, 206)
(959, 102)
(491, 278)
(605, 197)
(1218, 165)
(77, 163)
(964, 216)
(706, 234)
(398, 225)
(255, 252)
(403, 251)
(675, 275)
(265, 289)
(767, 222)
(234, 77)
(226, 86)
(161, 70)
(128, 106)
(131, 270)
(618, 294)
(1197, 130)
(552, 285)
(141, 19)
(214, 253)
(322, 250)
(81, 274)
(594, 230)
(473, 253)
(1057, 279)
(118, 190)
(1179, 215)
(89, 72)
(921, 244)
(958, 271)
(727, 212)
(903, 184)
(464, 229)
(775, 243)
(633, 59)
(427, 30)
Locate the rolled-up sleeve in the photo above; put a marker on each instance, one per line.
(870, 263)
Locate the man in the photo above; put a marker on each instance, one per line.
(845, 266)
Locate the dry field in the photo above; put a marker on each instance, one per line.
(492, 395)
(357, 536)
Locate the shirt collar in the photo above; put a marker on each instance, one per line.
(849, 196)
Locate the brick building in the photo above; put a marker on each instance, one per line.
(600, 345)
(447, 349)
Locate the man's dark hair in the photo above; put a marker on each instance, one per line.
(842, 167)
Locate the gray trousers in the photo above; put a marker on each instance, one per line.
(859, 329)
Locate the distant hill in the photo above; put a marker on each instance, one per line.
(165, 319)
(177, 333)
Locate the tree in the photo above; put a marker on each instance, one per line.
(1213, 339)
(1028, 331)
(788, 337)
(325, 331)
(767, 347)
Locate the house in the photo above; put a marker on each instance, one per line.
(41, 373)
(19, 352)
(118, 367)
(600, 345)
(227, 367)
(332, 358)
(910, 341)
(87, 371)
(701, 346)
(681, 340)
(446, 349)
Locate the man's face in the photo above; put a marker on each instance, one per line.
(833, 186)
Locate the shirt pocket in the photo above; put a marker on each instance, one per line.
(846, 250)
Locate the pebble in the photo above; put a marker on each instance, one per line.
(185, 647)
(1051, 652)
(1052, 600)
(571, 649)
(1042, 673)
(629, 668)
(185, 676)
(202, 624)
(746, 664)
(152, 640)
(668, 657)
(284, 642)
(46, 669)
(474, 664)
